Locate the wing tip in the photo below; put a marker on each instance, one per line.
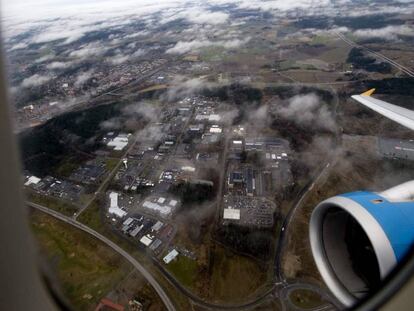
(369, 92)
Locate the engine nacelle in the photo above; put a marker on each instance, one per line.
(358, 238)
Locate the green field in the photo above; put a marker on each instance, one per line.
(63, 207)
(234, 278)
(305, 299)
(185, 270)
(85, 269)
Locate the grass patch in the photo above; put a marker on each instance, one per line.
(60, 206)
(111, 163)
(86, 269)
(185, 270)
(92, 217)
(233, 277)
(305, 299)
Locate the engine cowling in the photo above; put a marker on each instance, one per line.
(358, 238)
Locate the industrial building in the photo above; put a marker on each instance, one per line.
(119, 142)
(231, 213)
(161, 206)
(114, 208)
(170, 256)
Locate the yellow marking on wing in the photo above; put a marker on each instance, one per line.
(368, 93)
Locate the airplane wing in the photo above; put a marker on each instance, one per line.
(398, 114)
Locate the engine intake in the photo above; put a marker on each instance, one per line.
(358, 238)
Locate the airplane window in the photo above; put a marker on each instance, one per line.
(219, 154)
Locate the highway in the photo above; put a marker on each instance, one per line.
(404, 69)
(279, 277)
(161, 293)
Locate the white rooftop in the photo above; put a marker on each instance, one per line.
(32, 180)
(173, 203)
(231, 213)
(214, 129)
(146, 240)
(188, 168)
(118, 143)
(164, 210)
(170, 256)
(113, 207)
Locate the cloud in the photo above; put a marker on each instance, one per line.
(35, 80)
(119, 59)
(59, 65)
(45, 58)
(83, 77)
(18, 46)
(182, 87)
(390, 33)
(307, 110)
(139, 53)
(206, 17)
(182, 47)
(88, 50)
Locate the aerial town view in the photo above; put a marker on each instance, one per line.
(173, 151)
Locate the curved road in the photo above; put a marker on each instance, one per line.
(167, 302)
(146, 274)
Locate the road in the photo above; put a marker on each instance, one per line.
(279, 277)
(196, 300)
(285, 292)
(404, 69)
(107, 179)
(161, 293)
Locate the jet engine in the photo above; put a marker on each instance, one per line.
(358, 238)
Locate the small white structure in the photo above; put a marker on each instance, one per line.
(173, 203)
(170, 256)
(188, 168)
(157, 226)
(119, 142)
(231, 213)
(146, 240)
(32, 180)
(216, 129)
(161, 200)
(113, 207)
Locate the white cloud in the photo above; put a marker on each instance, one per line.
(307, 110)
(387, 33)
(139, 53)
(91, 49)
(119, 59)
(59, 65)
(35, 80)
(183, 47)
(83, 77)
(206, 17)
(21, 45)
